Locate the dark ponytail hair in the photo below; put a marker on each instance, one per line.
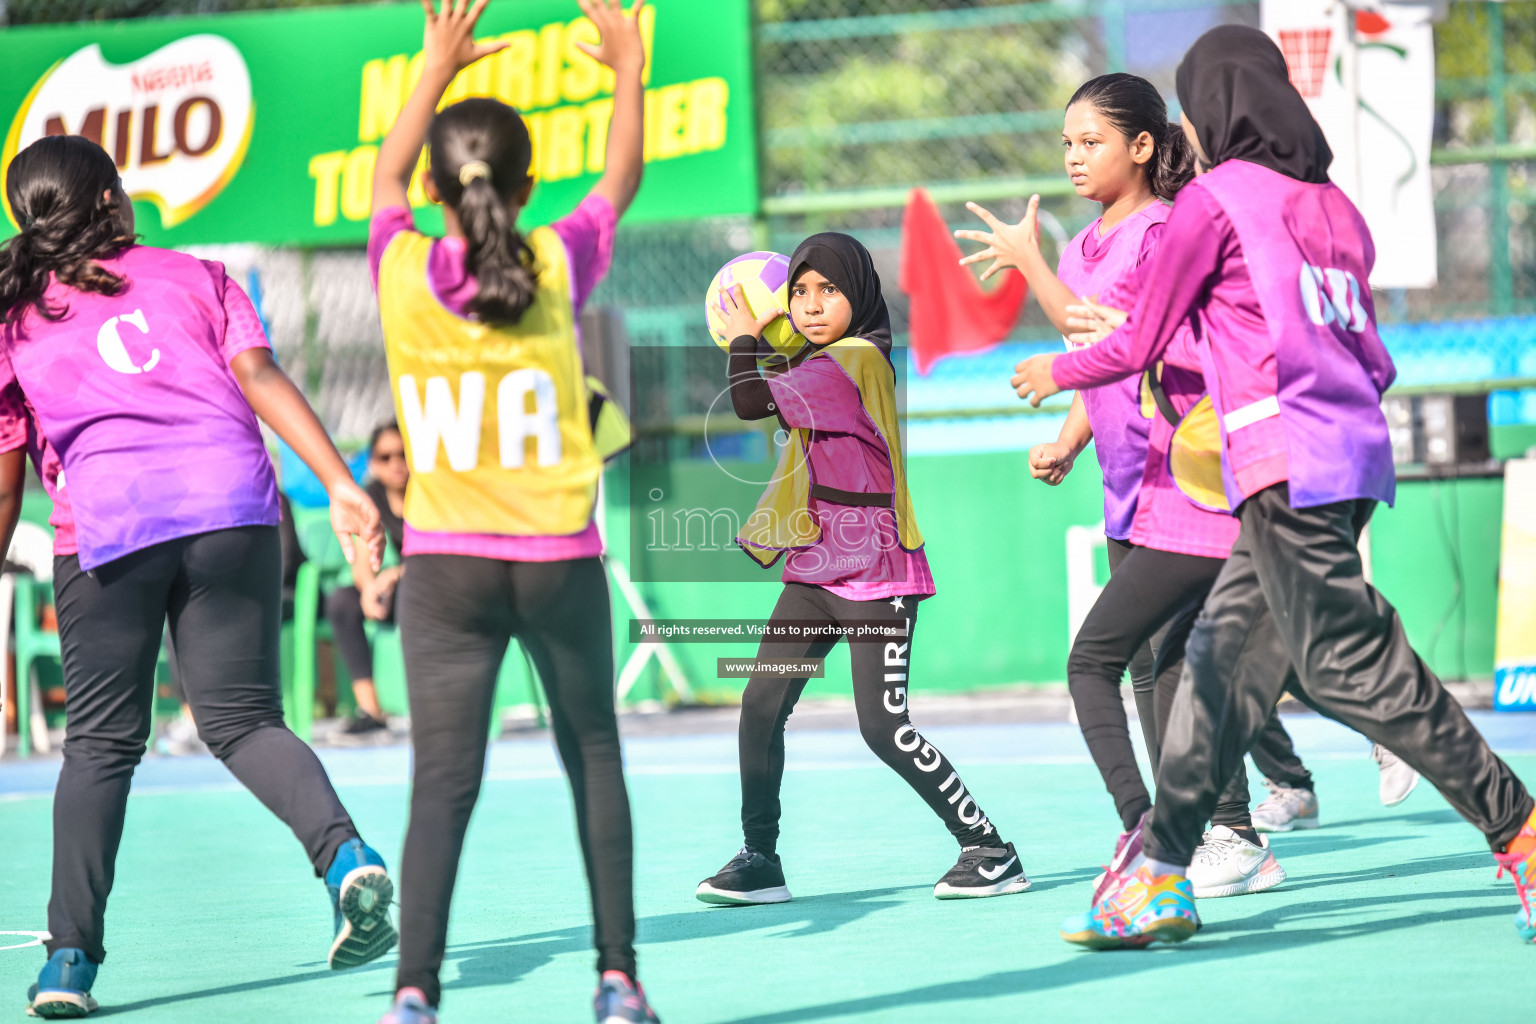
(479, 152)
(57, 189)
(1133, 105)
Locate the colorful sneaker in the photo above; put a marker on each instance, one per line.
(410, 1008)
(1127, 858)
(621, 1000)
(1146, 909)
(1397, 779)
(1226, 864)
(983, 871)
(1286, 809)
(749, 877)
(1522, 871)
(63, 988)
(360, 896)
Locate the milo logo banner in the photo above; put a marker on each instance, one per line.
(265, 127)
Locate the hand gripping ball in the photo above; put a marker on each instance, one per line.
(764, 278)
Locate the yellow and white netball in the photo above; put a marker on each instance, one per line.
(764, 279)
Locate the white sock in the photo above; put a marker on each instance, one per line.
(1162, 867)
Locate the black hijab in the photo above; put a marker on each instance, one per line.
(1235, 90)
(845, 262)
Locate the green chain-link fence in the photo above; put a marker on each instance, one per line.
(861, 100)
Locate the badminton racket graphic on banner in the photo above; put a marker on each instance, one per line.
(764, 281)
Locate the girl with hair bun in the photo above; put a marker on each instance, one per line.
(1122, 152)
(500, 539)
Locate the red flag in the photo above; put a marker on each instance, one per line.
(951, 313)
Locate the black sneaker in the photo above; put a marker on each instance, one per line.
(360, 727)
(984, 871)
(750, 877)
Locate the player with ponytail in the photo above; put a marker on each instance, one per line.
(1122, 151)
(500, 535)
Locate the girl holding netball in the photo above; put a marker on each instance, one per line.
(500, 539)
(1164, 552)
(839, 510)
(1273, 262)
(146, 370)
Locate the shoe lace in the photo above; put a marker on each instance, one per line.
(1115, 881)
(1285, 799)
(1213, 849)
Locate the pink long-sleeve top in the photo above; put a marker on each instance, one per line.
(1199, 270)
(1165, 519)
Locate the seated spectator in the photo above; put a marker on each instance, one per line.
(372, 595)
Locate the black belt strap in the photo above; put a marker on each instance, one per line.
(863, 499)
(1153, 379)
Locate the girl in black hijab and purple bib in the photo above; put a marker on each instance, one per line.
(838, 513)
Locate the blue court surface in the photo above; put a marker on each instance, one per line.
(1389, 915)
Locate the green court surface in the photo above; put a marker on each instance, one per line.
(1389, 915)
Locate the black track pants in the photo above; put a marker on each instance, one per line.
(1294, 588)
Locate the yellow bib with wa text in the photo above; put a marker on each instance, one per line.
(495, 416)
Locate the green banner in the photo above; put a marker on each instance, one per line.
(264, 127)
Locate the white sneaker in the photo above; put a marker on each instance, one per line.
(180, 739)
(1226, 864)
(1285, 809)
(1397, 779)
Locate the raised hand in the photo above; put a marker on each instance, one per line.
(619, 45)
(448, 43)
(1007, 245)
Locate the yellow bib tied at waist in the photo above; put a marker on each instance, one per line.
(782, 520)
(1194, 457)
(497, 418)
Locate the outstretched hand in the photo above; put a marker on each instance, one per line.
(1034, 377)
(448, 42)
(1006, 244)
(619, 45)
(732, 306)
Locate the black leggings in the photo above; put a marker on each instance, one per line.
(1147, 591)
(222, 593)
(1293, 592)
(880, 688)
(344, 611)
(1143, 664)
(457, 615)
